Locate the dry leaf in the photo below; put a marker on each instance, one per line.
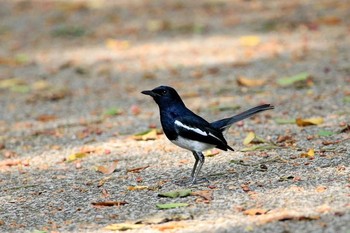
(137, 169)
(123, 226)
(309, 121)
(169, 226)
(245, 188)
(137, 188)
(171, 205)
(249, 41)
(10, 162)
(249, 138)
(255, 211)
(309, 154)
(46, 118)
(284, 214)
(247, 82)
(207, 195)
(321, 189)
(117, 44)
(108, 170)
(211, 153)
(76, 156)
(109, 203)
(147, 135)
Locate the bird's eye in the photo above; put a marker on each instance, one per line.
(163, 92)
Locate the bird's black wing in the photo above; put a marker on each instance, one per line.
(200, 130)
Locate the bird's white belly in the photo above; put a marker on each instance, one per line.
(192, 145)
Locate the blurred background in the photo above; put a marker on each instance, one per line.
(66, 60)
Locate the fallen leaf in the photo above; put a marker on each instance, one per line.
(211, 153)
(169, 226)
(10, 162)
(137, 169)
(123, 226)
(249, 41)
(205, 194)
(309, 121)
(310, 154)
(108, 170)
(250, 136)
(259, 147)
(150, 134)
(40, 85)
(245, 188)
(109, 203)
(163, 217)
(46, 117)
(12, 82)
(76, 156)
(137, 188)
(329, 20)
(248, 82)
(255, 211)
(117, 44)
(281, 121)
(176, 193)
(171, 205)
(321, 189)
(283, 215)
(113, 111)
(325, 133)
(288, 81)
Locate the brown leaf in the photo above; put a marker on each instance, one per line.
(46, 118)
(10, 162)
(137, 188)
(245, 188)
(109, 203)
(207, 195)
(137, 169)
(108, 170)
(321, 189)
(255, 211)
(285, 214)
(248, 82)
(309, 121)
(169, 226)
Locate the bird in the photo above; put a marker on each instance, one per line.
(186, 129)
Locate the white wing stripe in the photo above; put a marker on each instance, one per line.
(214, 136)
(178, 123)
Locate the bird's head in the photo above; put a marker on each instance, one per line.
(164, 95)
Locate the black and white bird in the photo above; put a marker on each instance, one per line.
(190, 131)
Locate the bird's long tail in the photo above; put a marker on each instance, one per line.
(225, 123)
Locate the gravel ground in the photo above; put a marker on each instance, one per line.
(71, 73)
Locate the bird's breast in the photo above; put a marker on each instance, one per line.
(191, 145)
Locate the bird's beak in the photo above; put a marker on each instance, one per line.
(151, 93)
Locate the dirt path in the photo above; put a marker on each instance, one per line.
(70, 80)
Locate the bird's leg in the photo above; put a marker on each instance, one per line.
(195, 164)
(201, 159)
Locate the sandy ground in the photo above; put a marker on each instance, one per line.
(70, 80)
